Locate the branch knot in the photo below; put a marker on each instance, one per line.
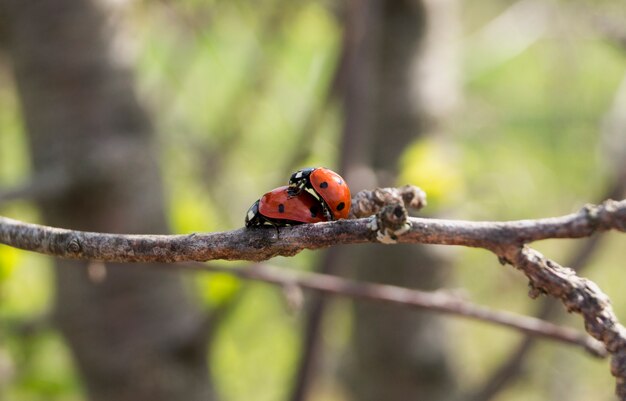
(73, 246)
(390, 206)
(366, 203)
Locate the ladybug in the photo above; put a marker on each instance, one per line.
(329, 187)
(283, 207)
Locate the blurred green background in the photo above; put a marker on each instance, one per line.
(224, 80)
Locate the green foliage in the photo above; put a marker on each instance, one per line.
(9, 259)
(42, 369)
(539, 120)
(239, 93)
(257, 348)
(218, 289)
(434, 167)
(14, 160)
(25, 283)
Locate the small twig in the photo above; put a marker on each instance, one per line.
(613, 129)
(312, 327)
(438, 301)
(512, 365)
(579, 295)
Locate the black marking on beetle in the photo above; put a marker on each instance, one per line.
(281, 208)
(313, 211)
(340, 206)
(324, 185)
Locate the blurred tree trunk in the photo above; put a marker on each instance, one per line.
(398, 83)
(136, 333)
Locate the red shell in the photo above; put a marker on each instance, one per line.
(333, 189)
(280, 204)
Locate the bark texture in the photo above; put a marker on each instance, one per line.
(264, 243)
(134, 335)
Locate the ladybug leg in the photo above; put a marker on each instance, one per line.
(299, 179)
(277, 231)
(295, 189)
(326, 211)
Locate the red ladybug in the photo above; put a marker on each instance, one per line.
(328, 186)
(282, 207)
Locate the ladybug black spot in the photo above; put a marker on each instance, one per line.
(324, 185)
(341, 206)
(313, 211)
(281, 208)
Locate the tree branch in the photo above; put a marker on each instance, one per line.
(579, 295)
(512, 365)
(506, 239)
(439, 301)
(613, 130)
(263, 243)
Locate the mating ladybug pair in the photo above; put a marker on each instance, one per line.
(313, 195)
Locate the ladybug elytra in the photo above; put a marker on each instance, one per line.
(283, 207)
(329, 187)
